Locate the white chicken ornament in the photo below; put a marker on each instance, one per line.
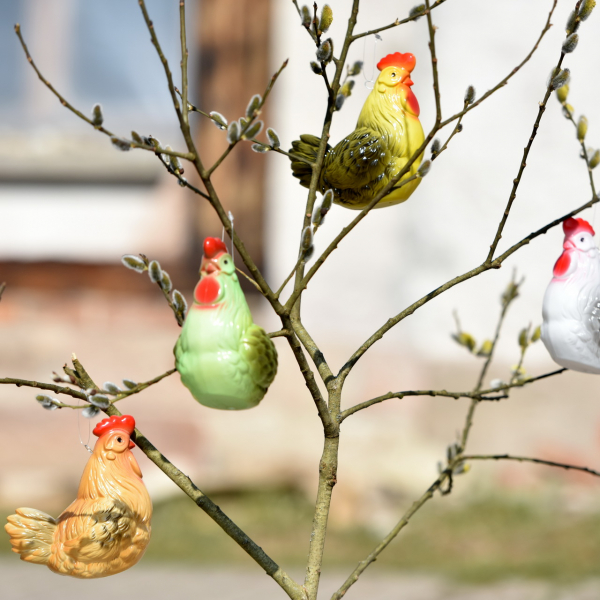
(571, 308)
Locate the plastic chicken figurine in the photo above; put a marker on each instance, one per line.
(224, 359)
(571, 309)
(107, 528)
(387, 134)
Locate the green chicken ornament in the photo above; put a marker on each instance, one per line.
(224, 359)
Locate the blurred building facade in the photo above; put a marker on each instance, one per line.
(71, 205)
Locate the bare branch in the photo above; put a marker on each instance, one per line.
(538, 461)
(250, 120)
(132, 144)
(490, 394)
(395, 23)
(402, 523)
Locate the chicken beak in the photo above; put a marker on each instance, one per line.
(408, 81)
(131, 444)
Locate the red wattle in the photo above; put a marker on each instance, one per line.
(412, 102)
(562, 264)
(207, 290)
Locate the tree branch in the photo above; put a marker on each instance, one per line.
(395, 23)
(480, 395)
(185, 155)
(402, 523)
(538, 461)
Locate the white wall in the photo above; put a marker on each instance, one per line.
(398, 254)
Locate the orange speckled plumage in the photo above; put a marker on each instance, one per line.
(107, 528)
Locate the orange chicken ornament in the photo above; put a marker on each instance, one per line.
(107, 528)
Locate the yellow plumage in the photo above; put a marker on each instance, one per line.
(387, 134)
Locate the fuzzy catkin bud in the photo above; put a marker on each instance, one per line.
(537, 334)
(89, 412)
(470, 95)
(154, 271)
(100, 401)
(129, 383)
(306, 16)
(559, 79)
(253, 106)
(346, 89)
(573, 23)
(595, 159)
(585, 10)
(165, 282)
(260, 148)
(424, 168)
(356, 68)
(179, 302)
(326, 18)
(47, 402)
(233, 132)
(435, 146)
(570, 43)
(562, 93)
(568, 111)
(136, 137)
(97, 116)
(465, 339)
(120, 144)
(111, 388)
(218, 119)
(339, 101)
(416, 12)
(325, 51)
(316, 68)
(486, 348)
(134, 263)
(307, 248)
(582, 127)
(523, 339)
(327, 202)
(273, 138)
(253, 130)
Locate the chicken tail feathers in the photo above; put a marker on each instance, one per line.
(306, 147)
(31, 534)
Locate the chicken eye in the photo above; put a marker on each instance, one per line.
(581, 239)
(393, 74)
(120, 440)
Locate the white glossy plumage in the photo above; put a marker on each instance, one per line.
(571, 307)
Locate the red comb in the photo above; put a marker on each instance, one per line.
(124, 422)
(212, 246)
(402, 61)
(571, 226)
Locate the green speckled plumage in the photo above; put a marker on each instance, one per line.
(224, 359)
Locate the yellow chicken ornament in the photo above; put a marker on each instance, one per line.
(387, 134)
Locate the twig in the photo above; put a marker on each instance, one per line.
(538, 461)
(583, 151)
(434, 65)
(517, 180)
(184, 63)
(395, 23)
(59, 389)
(507, 300)
(185, 155)
(287, 279)
(495, 264)
(480, 395)
(506, 79)
(2, 288)
(402, 523)
(250, 120)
